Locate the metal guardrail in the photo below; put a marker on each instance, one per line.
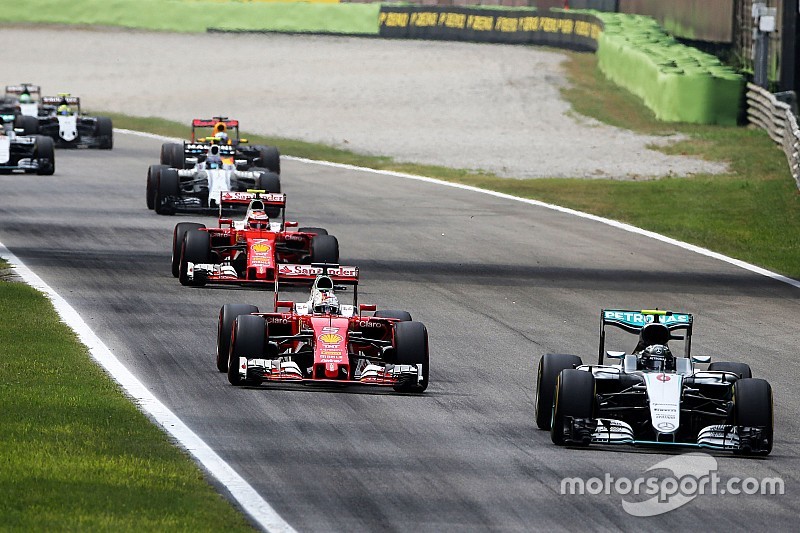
(766, 112)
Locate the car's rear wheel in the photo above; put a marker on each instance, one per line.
(249, 341)
(752, 407)
(740, 369)
(104, 131)
(45, 155)
(402, 316)
(177, 242)
(325, 249)
(574, 398)
(270, 158)
(28, 125)
(317, 231)
(177, 158)
(153, 173)
(196, 248)
(550, 366)
(227, 315)
(168, 187)
(411, 348)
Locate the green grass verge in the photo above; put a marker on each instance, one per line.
(76, 454)
(751, 213)
(182, 16)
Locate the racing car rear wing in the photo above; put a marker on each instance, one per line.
(212, 122)
(634, 321)
(23, 88)
(57, 100)
(272, 199)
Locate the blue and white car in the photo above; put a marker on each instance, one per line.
(650, 396)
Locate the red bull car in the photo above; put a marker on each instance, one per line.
(223, 132)
(322, 341)
(651, 396)
(260, 248)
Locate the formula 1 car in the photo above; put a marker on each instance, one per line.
(256, 250)
(23, 101)
(321, 341)
(60, 119)
(170, 190)
(23, 153)
(652, 397)
(224, 133)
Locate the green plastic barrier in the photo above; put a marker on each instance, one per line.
(677, 82)
(182, 16)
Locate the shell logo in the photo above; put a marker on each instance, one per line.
(261, 247)
(330, 338)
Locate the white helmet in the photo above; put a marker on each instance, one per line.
(326, 302)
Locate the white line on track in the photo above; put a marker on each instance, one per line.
(609, 222)
(261, 512)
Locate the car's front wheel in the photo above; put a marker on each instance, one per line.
(249, 340)
(574, 398)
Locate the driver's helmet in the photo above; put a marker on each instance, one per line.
(213, 159)
(64, 109)
(657, 357)
(257, 219)
(221, 137)
(25, 98)
(326, 302)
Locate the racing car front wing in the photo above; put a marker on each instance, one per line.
(584, 431)
(288, 371)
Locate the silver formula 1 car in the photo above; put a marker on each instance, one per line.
(652, 397)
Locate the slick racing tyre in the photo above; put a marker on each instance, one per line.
(196, 248)
(316, 231)
(325, 249)
(268, 181)
(411, 348)
(177, 242)
(46, 155)
(168, 187)
(574, 397)
(248, 340)
(177, 156)
(550, 366)
(402, 316)
(227, 315)
(166, 154)
(29, 125)
(270, 158)
(740, 369)
(752, 407)
(104, 133)
(153, 173)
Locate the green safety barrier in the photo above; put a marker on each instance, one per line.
(677, 82)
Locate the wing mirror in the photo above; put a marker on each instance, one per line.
(703, 359)
(284, 305)
(615, 354)
(290, 224)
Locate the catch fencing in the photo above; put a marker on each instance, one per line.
(777, 118)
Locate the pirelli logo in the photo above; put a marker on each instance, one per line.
(457, 23)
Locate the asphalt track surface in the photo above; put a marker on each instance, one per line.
(497, 282)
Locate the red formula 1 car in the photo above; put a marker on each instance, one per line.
(322, 341)
(258, 249)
